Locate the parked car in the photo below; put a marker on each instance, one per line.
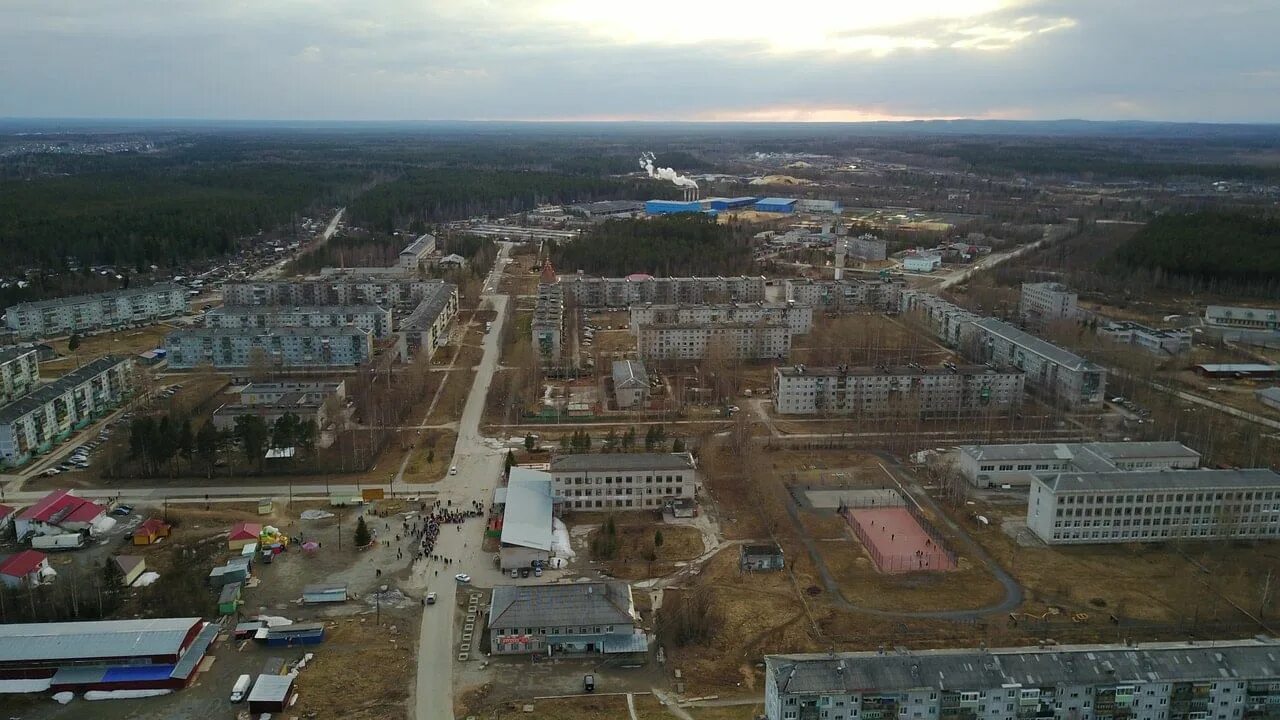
(122, 510)
(453, 470)
(462, 578)
(537, 572)
(589, 683)
(515, 573)
(431, 598)
(51, 472)
(524, 572)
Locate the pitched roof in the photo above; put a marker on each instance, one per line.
(526, 519)
(21, 564)
(127, 563)
(590, 603)
(245, 529)
(61, 505)
(150, 526)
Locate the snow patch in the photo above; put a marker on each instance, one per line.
(146, 579)
(560, 540)
(123, 694)
(24, 686)
(316, 514)
(64, 697)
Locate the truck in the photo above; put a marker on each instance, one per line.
(65, 541)
(241, 688)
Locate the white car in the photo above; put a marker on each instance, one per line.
(453, 470)
(462, 578)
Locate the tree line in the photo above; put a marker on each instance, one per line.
(1217, 245)
(672, 245)
(159, 443)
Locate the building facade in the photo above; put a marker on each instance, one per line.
(426, 327)
(797, 317)
(622, 481)
(1220, 680)
(1155, 506)
(1046, 302)
(347, 290)
(572, 618)
(988, 465)
(1249, 325)
(1060, 375)
(288, 347)
(415, 254)
(19, 372)
(370, 318)
(46, 416)
(630, 384)
(733, 341)
(955, 390)
(547, 326)
(846, 294)
(100, 311)
(620, 292)
(308, 401)
(950, 322)
(922, 262)
(1156, 341)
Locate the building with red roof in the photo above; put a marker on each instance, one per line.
(150, 531)
(61, 511)
(243, 533)
(24, 569)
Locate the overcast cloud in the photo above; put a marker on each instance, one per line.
(1209, 60)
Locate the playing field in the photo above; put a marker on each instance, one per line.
(896, 541)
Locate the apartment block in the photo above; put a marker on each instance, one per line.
(19, 372)
(1219, 680)
(622, 481)
(988, 465)
(1058, 374)
(895, 391)
(1046, 302)
(288, 347)
(100, 311)
(415, 253)
(1155, 506)
(370, 318)
(548, 322)
(735, 341)
(947, 320)
(1154, 340)
(349, 290)
(867, 247)
(797, 317)
(47, 415)
(270, 401)
(846, 294)
(591, 291)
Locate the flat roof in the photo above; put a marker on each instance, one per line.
(970, 669)
(271, 689)
(868, 371)
(526, 518)
(1070, 451)
(336, 331)
(1238, 367)
(776, 201)
(51, 642)
(364, 308)
(621, 461)
(558, 605)
(1136, 480)
(1034, 344)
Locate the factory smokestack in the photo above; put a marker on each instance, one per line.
(657, 173)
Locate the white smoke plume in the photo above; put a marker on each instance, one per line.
(646, 163)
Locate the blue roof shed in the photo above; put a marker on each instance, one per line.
(776, 205)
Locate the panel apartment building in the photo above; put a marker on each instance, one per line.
(1046, 302)
(99, 311)
(1220, 680)
(1155, 506)
(352, 290)
(620, 481)
(846, 294)
(547, 326)
(988, 465)
(289, 347)
(797, 317)
(1059, 374)
(733, 341)
(955, 390)
(370, 318)
(48, 414)
(19, 372)
(619, 292)
(948, 321)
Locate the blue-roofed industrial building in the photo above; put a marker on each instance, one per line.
(776, 205)
(671, 207)
(720, 204)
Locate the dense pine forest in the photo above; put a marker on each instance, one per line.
(666, 246)
(1222, 247)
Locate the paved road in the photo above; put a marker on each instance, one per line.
(479, 461)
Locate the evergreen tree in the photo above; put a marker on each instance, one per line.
(362, 536)
(207, 444)
(529, 442)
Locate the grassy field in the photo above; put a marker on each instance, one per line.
(359, 654)
(123, 342)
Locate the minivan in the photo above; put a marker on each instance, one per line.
(241, 688)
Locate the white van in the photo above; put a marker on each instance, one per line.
(241, 688)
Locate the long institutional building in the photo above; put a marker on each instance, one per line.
(988, 465)
(46, 414)
(99, 311)
(1058, 374)
(905, 390)
(621, 292)
(1155, 506)
(621, 481)
(1220, 680)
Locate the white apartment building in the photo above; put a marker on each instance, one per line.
(19, 372)
(1059, 374)
(622, 481)
(426, 327)
(547, 326)
(288, 347)
(100, 311)
(845, 294)
(1045, 302)
(1155, 506)
(347, 290)
(797, 317)
(619, 292)
(1218, 680)
(416, 253)
(947, 320)
(994, 465)
(370, 318)
(888, 391)
(1156, 341)
(735, 341)
(48, 414)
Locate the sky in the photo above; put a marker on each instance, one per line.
(656, 60)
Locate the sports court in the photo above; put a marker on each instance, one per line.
(897, 542)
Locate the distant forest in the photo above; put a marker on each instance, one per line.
(1208, 246)
(1098, 160)
(673, 245)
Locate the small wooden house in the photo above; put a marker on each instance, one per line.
(131, 566)
(151, 531)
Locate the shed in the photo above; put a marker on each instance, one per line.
(1237, 370)
(295, 634)
(150, 531)
(264, 506)
(271, 693)
(229, 598)
(775, 205)
(762, 556)
(131, 566)
(325, 593)
(243, 533)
